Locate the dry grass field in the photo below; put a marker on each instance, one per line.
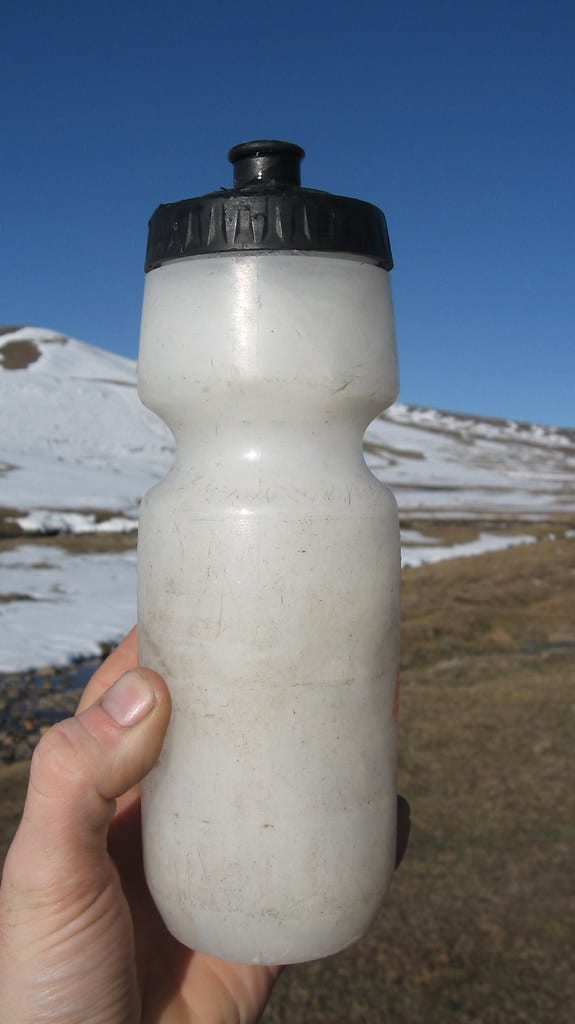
(479, 927)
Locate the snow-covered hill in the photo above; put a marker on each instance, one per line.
(74, 432)
(78, 450)
(76, 437)
(444, 466)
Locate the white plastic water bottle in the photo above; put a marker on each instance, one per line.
(269, 558)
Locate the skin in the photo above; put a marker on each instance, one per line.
(80, 939)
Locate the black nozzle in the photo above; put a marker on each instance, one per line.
(267, 210)
(266, 162)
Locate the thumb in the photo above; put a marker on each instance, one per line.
(78, 769)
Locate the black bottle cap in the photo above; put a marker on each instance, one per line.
(267, 210)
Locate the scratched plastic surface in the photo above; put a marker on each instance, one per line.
(269, 601)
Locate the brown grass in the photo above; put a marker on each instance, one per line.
(80, 544)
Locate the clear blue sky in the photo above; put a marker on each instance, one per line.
(458, 119)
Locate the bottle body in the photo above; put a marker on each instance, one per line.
(268, 598)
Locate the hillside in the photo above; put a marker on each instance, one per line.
(79, 450)
(75, 436)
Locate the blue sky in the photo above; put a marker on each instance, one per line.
(456, 118)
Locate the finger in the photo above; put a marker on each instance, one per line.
(239, 991)
(78, 769)
(403, 829)
(121, 660)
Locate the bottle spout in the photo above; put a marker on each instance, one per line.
(266, 162)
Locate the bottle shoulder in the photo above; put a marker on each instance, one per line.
(267, 331)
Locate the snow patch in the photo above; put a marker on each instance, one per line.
(44, 521)
(75, 603)
(414, 556)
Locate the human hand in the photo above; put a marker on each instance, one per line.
(81, 941)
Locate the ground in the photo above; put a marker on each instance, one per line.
(479, 925)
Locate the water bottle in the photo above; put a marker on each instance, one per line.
(268, 565)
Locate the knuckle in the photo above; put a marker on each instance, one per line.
(59, 760)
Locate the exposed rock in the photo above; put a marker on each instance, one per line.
(17, 355)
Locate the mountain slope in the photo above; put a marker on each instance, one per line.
(444, 465)
(75, 436)
(74, 432)
(78, 450)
